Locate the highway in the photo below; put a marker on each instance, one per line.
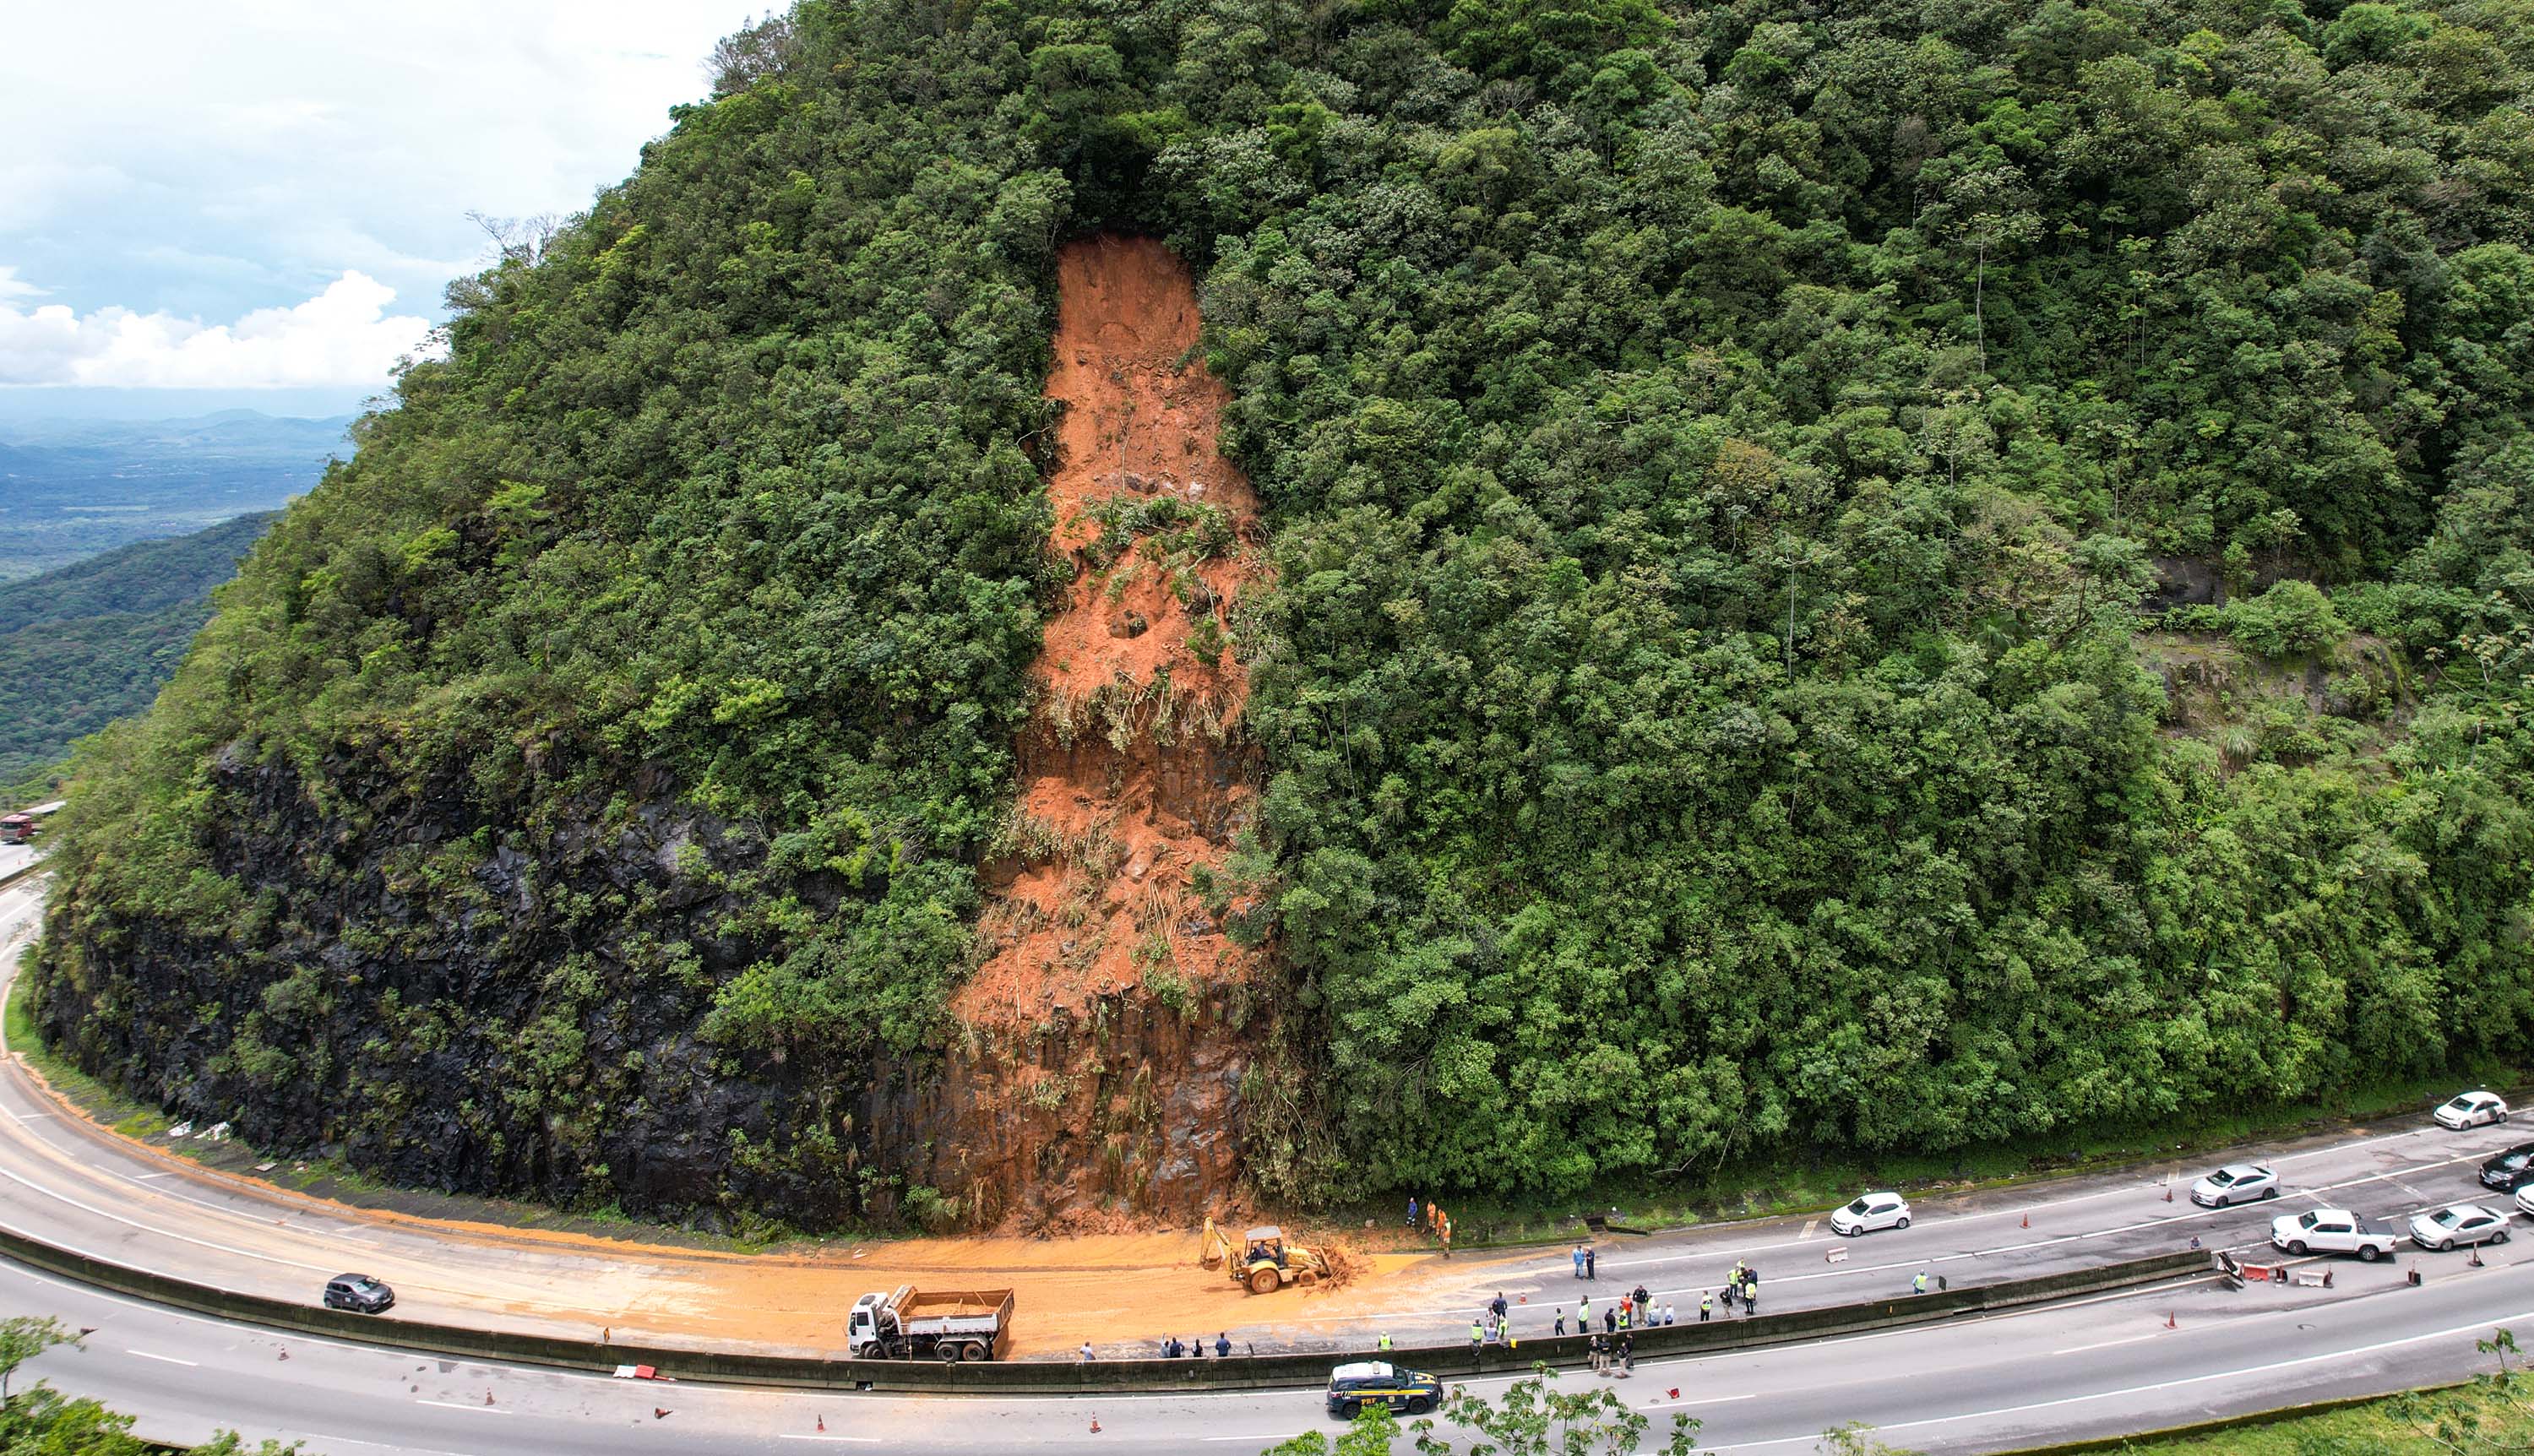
(2058, 1371)
(2101, 1366)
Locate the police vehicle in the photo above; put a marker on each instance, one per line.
(1365, 1382)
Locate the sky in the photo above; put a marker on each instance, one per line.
(257, 203)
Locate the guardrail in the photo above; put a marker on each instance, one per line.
(1065, 1375)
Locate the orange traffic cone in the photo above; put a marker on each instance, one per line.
(2028, 1221)
(822, 1422)
(2169, 1193)
(1094, 1426)
(488, 1396)
(2168, 1322)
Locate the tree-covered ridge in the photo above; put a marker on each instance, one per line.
(86, 644)
(1716, 460)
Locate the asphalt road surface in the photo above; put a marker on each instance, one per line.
(2100, 1366)
(2090, 1368)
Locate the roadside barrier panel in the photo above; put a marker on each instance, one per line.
(1066, 1377)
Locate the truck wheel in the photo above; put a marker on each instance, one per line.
(2297, 1247)
(974, 1350)
(2367, 1252)
(1308, 1278)
(1262, 1281)
(1419, 1404)
(949, 1352)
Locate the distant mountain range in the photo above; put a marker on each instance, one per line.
(93, 641)
(72, 488)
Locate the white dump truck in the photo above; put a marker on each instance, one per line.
(953, 1325)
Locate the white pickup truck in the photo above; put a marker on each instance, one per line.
(2333, 1230)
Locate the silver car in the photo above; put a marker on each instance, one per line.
(2236, 1183)
(2464, 1224)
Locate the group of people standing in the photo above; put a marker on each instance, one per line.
(1742, 1284)
(1438, 1222)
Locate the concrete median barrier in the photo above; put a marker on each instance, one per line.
(1064, 1377)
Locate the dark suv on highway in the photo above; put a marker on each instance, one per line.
(1366, 1382)
(358, 1292)
(2511, 1170)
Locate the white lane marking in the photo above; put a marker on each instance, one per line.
(451, 1404)
(2475, 1327)
(2022, 1209)
(793, 1436)
(1716, 1400)
(73, 1286)
(169, 1359)
(31, 1117)
(321, 1441)
(1810, 1223)
(2107, 1344)
(147, 1228)
(144, 1177)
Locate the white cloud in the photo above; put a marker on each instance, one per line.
(307, 138)
(12, 287)
(342, 336)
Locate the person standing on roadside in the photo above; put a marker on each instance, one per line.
(1579, 1259)
(1222, 1344)
(1478, 1336)
(1086, 1352)
(1583, 1314)
(1705, 1307)
(1627, 1356)
(1562, 1321)
(1591, 1263)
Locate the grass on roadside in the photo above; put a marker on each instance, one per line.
(2484, 1416)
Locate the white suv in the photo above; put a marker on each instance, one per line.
(1877, 1210)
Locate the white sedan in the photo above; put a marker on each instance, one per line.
(1871, 1211)
(2236, 1183)
(2462, 1223)
(2471, 1110)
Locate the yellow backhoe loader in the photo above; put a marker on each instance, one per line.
(1263, 1260)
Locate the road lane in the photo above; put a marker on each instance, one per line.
(66, 1181)
(2097, 1367)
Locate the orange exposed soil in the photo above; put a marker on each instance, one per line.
(1103, 1079)
(1132, 776)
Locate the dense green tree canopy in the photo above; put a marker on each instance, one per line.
(1720, 463)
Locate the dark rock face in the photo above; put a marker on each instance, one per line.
(449, 999)
(2186, 582)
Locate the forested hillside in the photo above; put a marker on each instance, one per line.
(1887, 577)
(86, 644)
